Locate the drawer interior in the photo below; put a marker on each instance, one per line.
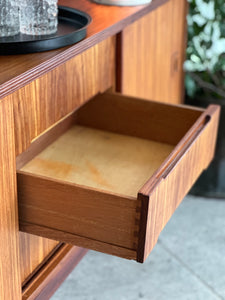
(100, 159)
(109, 176)
(106, 148)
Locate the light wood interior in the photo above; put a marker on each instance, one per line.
(100, 159)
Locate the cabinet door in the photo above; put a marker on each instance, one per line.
(152, 54)
(34, 251)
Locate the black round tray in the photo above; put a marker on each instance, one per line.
(72, 27)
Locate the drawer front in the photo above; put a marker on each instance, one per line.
(112, 180)
(43, 102)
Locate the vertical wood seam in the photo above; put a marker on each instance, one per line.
(9, 230)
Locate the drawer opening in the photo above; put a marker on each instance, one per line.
(100, 159)
(89, 180)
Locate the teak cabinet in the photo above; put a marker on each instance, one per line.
(83, 165)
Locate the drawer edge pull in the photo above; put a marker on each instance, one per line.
(186, 147)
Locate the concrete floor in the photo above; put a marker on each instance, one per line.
(187, 263)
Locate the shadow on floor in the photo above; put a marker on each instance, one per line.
(188, 263)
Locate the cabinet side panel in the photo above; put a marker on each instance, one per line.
(10, 288)
(152, 54)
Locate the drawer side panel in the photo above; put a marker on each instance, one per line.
(160, 200)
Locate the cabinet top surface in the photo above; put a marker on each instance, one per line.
(18, 70)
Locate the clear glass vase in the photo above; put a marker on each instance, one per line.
(9, 18)
(38, 17)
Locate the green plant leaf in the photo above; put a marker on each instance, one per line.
(190, 86)
(207, 10)
(206, 48)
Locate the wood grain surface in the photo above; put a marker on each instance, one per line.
(10, 288)
(42, 103)
(162, 194)
(19, 70)
(78, 210)
(45, 101)
(46, 281)
(99, 173)
(38, 90)
(153, 69)
(166, 123)
(33, 252)
(80, 241)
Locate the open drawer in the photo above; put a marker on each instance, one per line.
(109, 176)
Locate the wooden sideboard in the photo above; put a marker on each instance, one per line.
(138, 51)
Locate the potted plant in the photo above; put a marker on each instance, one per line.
(205, 80)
